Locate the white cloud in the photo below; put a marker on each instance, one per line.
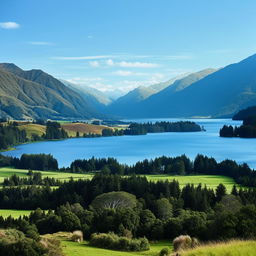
(110, 62)
(84, 80)
(128, 73)
(9, 25)
(90, 37)
(94, 64)
(137, 64)
(40, 43)
(83, 57)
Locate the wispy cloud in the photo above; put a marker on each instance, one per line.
(126, 64)
(9, 25)
(94, 64)
(40, 43)
(128, 73)
(90, 37)
(97, 57)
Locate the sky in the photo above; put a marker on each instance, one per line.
(118, 45)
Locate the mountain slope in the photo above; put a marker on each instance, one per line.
(36, 94)
(219, 94)
(92, 95)
(137, 102)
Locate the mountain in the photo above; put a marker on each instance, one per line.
(219, 94)
(89, 93)
(132, 98)
(36, 94)
(137, 102)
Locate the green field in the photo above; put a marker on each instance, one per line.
(211, 181)
(233, 248)
(64, 176)
(80, 249)
(14, 213)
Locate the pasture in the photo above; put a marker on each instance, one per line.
(14, 213)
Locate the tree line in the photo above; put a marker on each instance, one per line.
(180, 165)
(158, 127)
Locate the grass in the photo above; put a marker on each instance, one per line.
(73, 128)
(211, 181)
(14, 213)
(63, 176)
(232, 248)
(33, 129)
(80, 249)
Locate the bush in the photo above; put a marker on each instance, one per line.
(182, 243)
(115, 242)
(77, 236)
(165, 252)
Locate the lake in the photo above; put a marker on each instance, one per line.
(129, 149)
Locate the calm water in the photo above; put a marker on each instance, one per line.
(129, 149)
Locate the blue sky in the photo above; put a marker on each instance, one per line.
(122, 44)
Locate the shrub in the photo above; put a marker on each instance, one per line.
(165, 252)
(115, 242)
(182, 243)
(77, 236)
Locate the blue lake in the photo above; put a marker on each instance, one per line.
(129, 149)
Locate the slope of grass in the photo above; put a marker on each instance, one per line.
(33, 129)
(73, 128)
(80, 249)
(14, 213)
(232, 248)
(211, 181)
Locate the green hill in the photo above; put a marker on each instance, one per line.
(36, 94)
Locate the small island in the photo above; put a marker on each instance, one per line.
(247, 129)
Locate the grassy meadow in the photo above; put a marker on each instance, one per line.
(232, 248)
(63, 176)
(80, 249)
(14, 213)
(211, 181)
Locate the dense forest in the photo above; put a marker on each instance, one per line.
(135, 206)
(246, 130)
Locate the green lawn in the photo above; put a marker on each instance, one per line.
(14, 213)
(7, 172)
(80, 249)
(211, 181)
(233, 248)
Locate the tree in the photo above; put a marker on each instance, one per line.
(113, 200)
(163, 209)
(220, 192)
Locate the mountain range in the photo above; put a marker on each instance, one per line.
(207, 93)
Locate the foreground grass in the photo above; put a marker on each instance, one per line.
(232, 248)
(80, 249)
(211, 181)
(14, 213)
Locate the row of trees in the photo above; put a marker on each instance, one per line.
(181, 165)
